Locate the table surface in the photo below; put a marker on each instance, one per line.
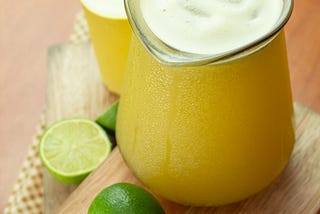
(28, 28)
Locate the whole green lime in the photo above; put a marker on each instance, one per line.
(125, 198)
(108, 119)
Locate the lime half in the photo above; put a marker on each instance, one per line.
(71, 149)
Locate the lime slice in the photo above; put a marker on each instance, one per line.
(108, 119)
(126, 198)
(71, 149)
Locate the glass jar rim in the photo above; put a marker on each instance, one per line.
(170, 56)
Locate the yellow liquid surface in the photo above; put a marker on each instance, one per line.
(207, 135)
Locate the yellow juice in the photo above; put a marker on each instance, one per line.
(111, 39)
(207, 135)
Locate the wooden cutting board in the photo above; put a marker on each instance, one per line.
(75, 90)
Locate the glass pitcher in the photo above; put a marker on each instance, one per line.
(206, 130)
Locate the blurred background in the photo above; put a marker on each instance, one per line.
(28, 28)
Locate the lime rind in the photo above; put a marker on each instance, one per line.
(120, 198)
(77, 175)
(108, 119)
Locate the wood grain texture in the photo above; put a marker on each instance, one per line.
(74, 89)
(297, 190)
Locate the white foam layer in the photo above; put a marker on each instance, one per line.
(106, 8)
(210, 26)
